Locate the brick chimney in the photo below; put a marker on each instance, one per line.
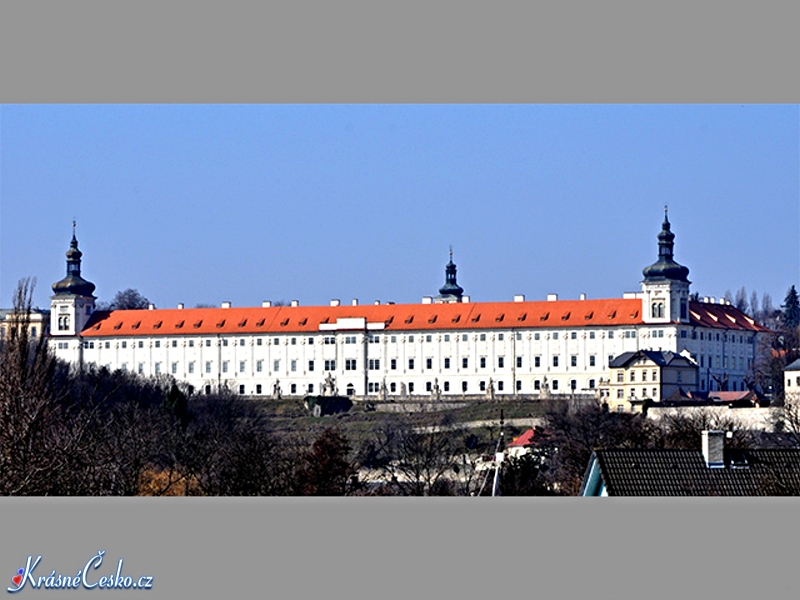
(714, 449)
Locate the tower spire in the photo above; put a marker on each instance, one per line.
(450, 291)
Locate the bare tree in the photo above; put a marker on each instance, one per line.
(741, 301)
(128, 299)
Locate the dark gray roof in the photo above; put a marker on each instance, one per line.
(795, 366)
(660, 358)
(663, 472)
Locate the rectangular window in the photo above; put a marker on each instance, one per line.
(519, 386)
(519, 362)
(537, 384)
(555, 384)
(158, 344)
(191, 367)
(258, 342)
(428, 338)
(224, 366)
(208, 366)
(208, 343)
(241, 389)
(191, 343)
(310, 388)
(501, 360)
(555, 335)
(158, 369)
(446, 386)
(410, 364)
(224, 342)
(141, 344)
(591, 384)
(464, 362)
(374, 364)
(411, 387)
(275, 341)
(483, 362)
(259, 366)
(174, 368)
(536, 336)
(411, 338)
(573, 361)
(293, 388)
(611, 335)
(499, 386)
(518, 335)
(330, 365)
(393, 387)
(633, 376)
(620, 393)
(446, 337)
(350, 364)
(393, 364)
(258, 388)
(592, 360)
(293, 341)
(482, 386)
(241, 341)
(655, 375)
(428, 363)
(141, 369)
(292, 365)
(106, 345)
(446, 363)
(374, 338)
(311, 365)
(591, 335)
(683, 333)
(276, 365)
(393, 339)
(124, 344)
(573, 335)
(428, 386)
(463, 337)
(537, 361)
(620, 376)
(644, 375)
(349, 339)
(241, 366)
(555, 361)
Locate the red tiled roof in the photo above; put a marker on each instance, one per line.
(721, 316)
(398, 317)
(523, 440)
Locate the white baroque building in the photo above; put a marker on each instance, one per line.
(444, 347)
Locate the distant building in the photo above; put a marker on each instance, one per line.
(442, 347)
(712, 470)
(648, 375)
(38, 324)
(791, 378)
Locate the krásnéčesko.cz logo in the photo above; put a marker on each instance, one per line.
(83, 577)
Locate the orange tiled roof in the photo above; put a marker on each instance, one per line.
(396, 317)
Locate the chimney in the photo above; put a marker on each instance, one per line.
(180, 305)
(714, 449)
(151, 307)
(465, 299)
(377, 302)
(552, 297)
(295, 303)
(519, 297)
(583, 296)
(226, 304)
(266, 304)
(335, 302)
(427, 299)
(354, 302)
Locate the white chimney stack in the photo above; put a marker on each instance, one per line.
(519, 298)
(226, 304)
(552, 297)
(335, 302)
(266, 304)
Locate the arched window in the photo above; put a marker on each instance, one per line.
(657, 310)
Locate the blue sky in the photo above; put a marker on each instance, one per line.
(244, 203)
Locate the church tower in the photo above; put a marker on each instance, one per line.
(450, 291)
(665, 289)
(72, 302)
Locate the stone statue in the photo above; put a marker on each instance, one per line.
(276, 390)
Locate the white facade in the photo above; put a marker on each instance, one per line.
(429, 349)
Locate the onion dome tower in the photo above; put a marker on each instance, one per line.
(450, 291)
(72, 302)
(665, 288)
